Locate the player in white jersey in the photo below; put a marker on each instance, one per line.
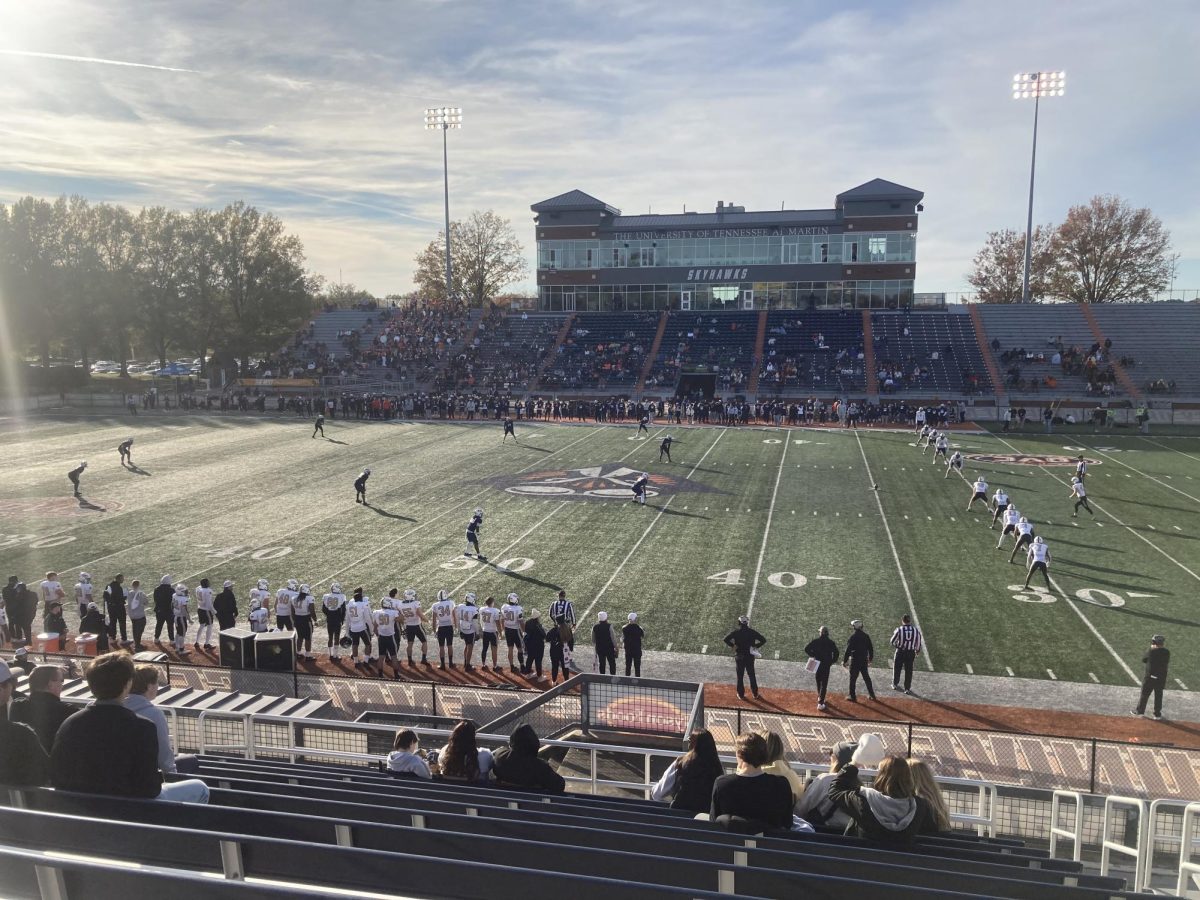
(358, 626)
(954, 464)
(442, 614)
(51, 590)
(283, 605)
(930, 440)
(384, 620)
(1039, 560)
(302, 617)
(978, 492)
(334, 604)
(1024, 537)
(83, 593)
(258, 616)
(919, 419)
(999, 504)
(205, 616)
(262, 593)
(942, 447)
(513, 617)
(1011, 518)
(489, 620)
(1079, 495)
(414, 617)
(1081, 468)
(183, 618)
(466, 615)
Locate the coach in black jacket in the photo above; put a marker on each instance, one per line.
(744, 640)
(163, 594)
(860, 652)
(825, 652)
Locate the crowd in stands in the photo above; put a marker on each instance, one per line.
(713, 346)
(1094, 365)
(795, 357)
(905, 372)
(505, 355)
(586, 361)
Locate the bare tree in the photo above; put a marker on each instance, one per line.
(1109, 252)
(485, 256)
(999, 267)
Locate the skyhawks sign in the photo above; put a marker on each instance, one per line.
(1028, 459)
(609, 482)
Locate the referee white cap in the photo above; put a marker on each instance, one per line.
(856, 623)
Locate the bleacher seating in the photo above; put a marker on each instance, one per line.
(1035, 327)
(718, 343)
(939, 353)
(506, 354)
(315, 825)
(328, 327)
(605, 351)
(810, 351)
(1162, 338)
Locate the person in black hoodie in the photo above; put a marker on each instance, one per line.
(114, 601)
(535, 644)
(518, 765)
(688, 781)
(631, 636)
(93, 623)
(891, 810)
(225, 606)
(164, 613)
(745, 642)
(860, 653)
(825, 652)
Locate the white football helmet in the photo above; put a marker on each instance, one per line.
(387, 603)
(291, 583)
(512, 598)
(1039, 540)
(443, 595)
(335, 588)
(255, 604)
(479, 510)
(366, 471)
(646, 475)
(1024, 521)
(85, 577)
(1011, 506)
(83, 464)
(470, 598)
(410, 594)
(1074, 479)
(262, 584)
(181, 588)
(305, 589)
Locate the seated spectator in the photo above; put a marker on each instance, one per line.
(22, 759)
(462, 759)
(688, 781)
(891, 810)
(751, 800)
(22, 661)
(929, 791)
(107, 749)
(518, 765)
(141, 702)
(404, 761)
(42, 710)
(777, 764)
(816, 807)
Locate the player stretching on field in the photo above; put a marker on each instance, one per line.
(473, 529)
(73, 476)
(639, 489)
(665, 447)
(942, 447)
(319, 425)
(1024, 537)
(1079, 493)
(978, 492)
(126, 450)
(644, 423)
(954, 464)
(1039, 560)
(508, 429)
(999, 504)
(1011, 517)
(360, 487)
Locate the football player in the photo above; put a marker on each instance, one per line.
(923, 435)
(999, 504)
(930, 440)
(508, 429)
(1079, 495)
(489, 616)
(83, 593)
(179, 610)
(942, 447)
(1011, 518)
(639, 489)
(125, 448)
(1039, 560)
(414, 618)
(334, 604)
(262, 594)
(1024, 537)
(258, 615)
(466, 614)
(473, 528)
(978, 492)
(442, 613)
(643, 424)
(73, 476)
(513, 617)
(319, 425)
(302, 618)
(384, 621)
(358, 626)
(1081, 468)
(665, 448)
(360, 487)
(954, 464)
(284, 598)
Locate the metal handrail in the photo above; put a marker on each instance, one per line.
(1139, 851)
(1189, 872)
(1074, 834)
(1153, 837)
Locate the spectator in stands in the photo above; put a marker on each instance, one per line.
(22, 661)
(816, 806)
(751, 800)
(43, 710)
(22, 759)
(518, 765)
(404, 761)
(140, 701)
(891, 810)
(462, 759)
(928, 790)
(108, 749)
(777, 764)
(688, 781)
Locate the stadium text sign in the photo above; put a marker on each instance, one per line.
(1028, 459)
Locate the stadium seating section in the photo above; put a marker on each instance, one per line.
(715, 343)
(928, 352)
(603, 351)
(294, 828)
(505, 355)
(1163, 340)
(812, 351)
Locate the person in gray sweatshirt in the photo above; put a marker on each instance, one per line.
(890, 811)
(404, 761)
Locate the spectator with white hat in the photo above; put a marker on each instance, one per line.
(631, 636)
(604, 642)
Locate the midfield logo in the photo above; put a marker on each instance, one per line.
(57, 507)
(1028, 459)
(610, 482)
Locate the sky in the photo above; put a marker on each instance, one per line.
(314, 111)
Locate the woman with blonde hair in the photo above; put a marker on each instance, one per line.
(890, 810)
(929, 791)
(778, 764)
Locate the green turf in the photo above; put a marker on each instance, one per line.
(220, 491)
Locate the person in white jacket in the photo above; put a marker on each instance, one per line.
(815, 807)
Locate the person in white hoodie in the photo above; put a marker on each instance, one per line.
(890, 811)
(815, 806)
(404, 761)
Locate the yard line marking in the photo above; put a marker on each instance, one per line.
(704, 649)
(1177, 528)
(1092, 675)
(1134, 532)
(1151, 527)
(1008, 670)
(1169, 487)
(762, 550)
(895, 554)
(481, 569)
(1181, 684)
(777, 654)
(653, 522)
(1053, 677)
(1172, 449)
(669, 644)
(970, 671)
(1092, 628)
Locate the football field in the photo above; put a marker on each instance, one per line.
(797, 527)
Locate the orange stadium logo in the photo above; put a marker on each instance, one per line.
(57, 507)
(611, 482)
(642, 714)
(1028, 459)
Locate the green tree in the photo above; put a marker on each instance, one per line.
(27, 269)
(160, 274)
(486, 257)
(998, 269)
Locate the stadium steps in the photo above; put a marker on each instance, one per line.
(1162, 338)
(552, 353)
(985, 348)
(870, 370)
(474, 317)
(756, 363)
(1122, 375)
(1033, 326)
(653, 354)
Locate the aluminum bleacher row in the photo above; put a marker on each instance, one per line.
(1162, 338)
(718, 343)
(812, 351)
(941, 345)
(603, 350)
(309, 826)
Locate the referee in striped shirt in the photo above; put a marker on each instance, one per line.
(907, 642)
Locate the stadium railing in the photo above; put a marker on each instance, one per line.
(1189, 872)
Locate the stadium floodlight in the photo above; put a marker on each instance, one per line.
(445, 118)
(1036, 85)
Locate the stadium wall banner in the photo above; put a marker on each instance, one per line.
(278, 382)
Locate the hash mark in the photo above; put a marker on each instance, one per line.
(777, 654)
(1181, 684)
(1053, 677)
(1008, 670)
(669, 644)
(1177, 528)
(970, 671)
(1092, 675)
(704, 649)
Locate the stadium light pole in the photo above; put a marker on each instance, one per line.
(445, 118)
(1036, 85)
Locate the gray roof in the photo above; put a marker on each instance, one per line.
(729, 219)
(573, 201)
(879, 189)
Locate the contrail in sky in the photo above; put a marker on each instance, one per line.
(93, 59)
